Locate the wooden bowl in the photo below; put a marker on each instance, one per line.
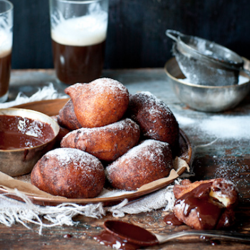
(20, 161)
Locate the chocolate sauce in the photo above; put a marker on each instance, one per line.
(208, 212)
(19, 132)
(108, 239)
(67, 236)
(215, 242)
(171, 219)
(129, 231)
(122, 235)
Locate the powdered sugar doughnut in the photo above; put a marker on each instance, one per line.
(146, 162)
(67, 117)
(69, 172)
(154, 118)
(106, 143)
(99, 102)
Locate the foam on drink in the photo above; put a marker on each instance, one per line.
(5, 37)
(81, 31)
(5, 43)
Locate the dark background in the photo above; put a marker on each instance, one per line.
(136, 31)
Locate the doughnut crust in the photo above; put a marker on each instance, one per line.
(154, 118)
(62, 132)
(99, 103)
(107, 143)
(205, 204)
(69, 172)
(67, 117)
(144, 163)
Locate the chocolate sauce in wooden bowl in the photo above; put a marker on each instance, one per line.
(25, 135)
(22, 132)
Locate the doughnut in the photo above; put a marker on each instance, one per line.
(144, 163)
(62, 132)
(155, 119)
(107, 143)
(67, 117)
(205, 205)
(99, 103)
(70, 173)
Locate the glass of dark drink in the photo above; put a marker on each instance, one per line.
(6, 33)
(78, 33)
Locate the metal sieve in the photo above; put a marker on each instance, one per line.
(204, 62)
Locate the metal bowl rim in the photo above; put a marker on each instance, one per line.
(202, 86)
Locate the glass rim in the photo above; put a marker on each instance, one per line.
(11, 6)
(78, 2)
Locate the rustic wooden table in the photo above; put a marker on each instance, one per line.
(228, 156)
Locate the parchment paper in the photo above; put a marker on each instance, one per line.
(10, 184)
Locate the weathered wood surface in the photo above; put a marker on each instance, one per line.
(224, 158)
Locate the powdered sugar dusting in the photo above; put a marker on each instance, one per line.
(123, 125)
(144, 149)
(150, 149)
(76, 86)
(185, 121)
(230, 136)
(227, 126)
(78, 158)
(108, 85)
(150, 106)
(31, 129)
(101, 86)
(152, 101)
(220, 126)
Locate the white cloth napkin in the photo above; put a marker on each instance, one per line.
(13, 211)
(46, 93)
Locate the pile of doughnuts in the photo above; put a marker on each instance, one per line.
(110, 136)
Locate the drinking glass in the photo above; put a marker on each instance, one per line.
(78, 33)
(6, 34)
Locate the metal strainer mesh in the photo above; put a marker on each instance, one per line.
(204, 62)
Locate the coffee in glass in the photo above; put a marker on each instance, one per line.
(78, 32)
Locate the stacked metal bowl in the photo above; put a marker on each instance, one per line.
(206, 76)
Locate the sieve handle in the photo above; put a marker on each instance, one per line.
(173, 34)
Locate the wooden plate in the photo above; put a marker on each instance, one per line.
(48, 107)
(52, 107)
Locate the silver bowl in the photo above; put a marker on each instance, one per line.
(205, 98)
(16, 162)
